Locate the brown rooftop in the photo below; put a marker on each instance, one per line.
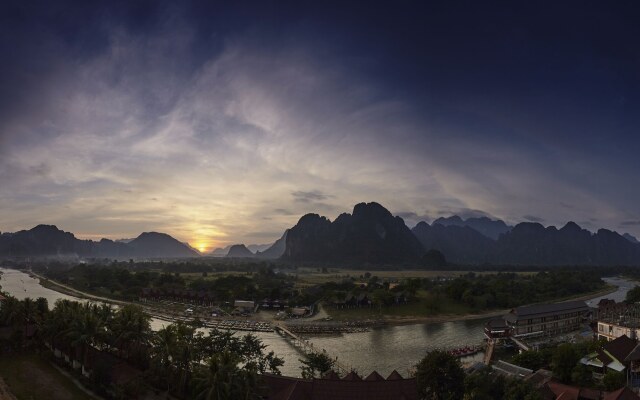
(351, 387)
(620, 347)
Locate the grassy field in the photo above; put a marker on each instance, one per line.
(419, 308)
(313, 276)
(30, 377)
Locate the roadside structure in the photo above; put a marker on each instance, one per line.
(546, 319)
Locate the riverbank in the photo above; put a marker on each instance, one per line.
(381, 319)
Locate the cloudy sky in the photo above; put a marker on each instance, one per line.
(226, 124)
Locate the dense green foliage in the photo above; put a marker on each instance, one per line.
(121, 282)
(440, 376)
(564, 360)
(504, 290)
(473, 292)
(179, 358)
(315, 365)
(613, 380)
(633, 295)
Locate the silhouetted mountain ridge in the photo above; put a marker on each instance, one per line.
(48, 240)
(370, 234)
(486, 226)
(239, 250)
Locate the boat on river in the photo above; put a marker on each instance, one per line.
(465, 351)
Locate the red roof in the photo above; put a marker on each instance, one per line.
(352, 376)
(394, 376)
(374, 376)
(622, 394)
(287, 388)
(620, 347)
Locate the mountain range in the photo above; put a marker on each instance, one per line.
(48, 240)
(370, 234)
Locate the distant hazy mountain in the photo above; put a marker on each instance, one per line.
(371, 234)
(48, 240)
(43, 240)
(220, 251)
(160, 245)
(276, 250)
(459, 244)
(488, 227)
(273, 250)
(533, 244)
(254, 248)
(630, 238)
(239, 250)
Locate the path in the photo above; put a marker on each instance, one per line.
(308, 347)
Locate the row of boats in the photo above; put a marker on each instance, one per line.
(465, 351)
(325, 329)
(252, 326)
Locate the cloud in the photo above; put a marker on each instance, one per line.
(630, 223)
(222, 130)
(307, 197)
(532, 218)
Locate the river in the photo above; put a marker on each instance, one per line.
(382, 349)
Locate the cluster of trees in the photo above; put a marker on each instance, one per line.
(563, 361)
(121, 282)
(477, 291)
(505, 290)
(179, 358)
(440, 377)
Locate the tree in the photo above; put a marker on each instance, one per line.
(484, 385)
(223, 380)
(633, 295)
(517, 389)
(530, 359)
(315, 365)
(564, 361)
(613, 380)
(130, 329)
(581, 375)
(439, 376)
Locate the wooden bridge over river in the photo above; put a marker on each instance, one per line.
(305, 346)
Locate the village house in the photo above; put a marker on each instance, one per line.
(183, 296)
(612, 356)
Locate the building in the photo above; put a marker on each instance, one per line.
(546, 319)
(244, 305)
(350, 387)
(612, 356)
(617, 319)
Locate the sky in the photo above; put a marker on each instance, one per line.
(223, 124)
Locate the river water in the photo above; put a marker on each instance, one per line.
(382, 349)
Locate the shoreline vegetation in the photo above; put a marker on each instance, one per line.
(366, 316)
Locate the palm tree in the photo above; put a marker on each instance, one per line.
(87, 329)
(223, 380)
(164, 344)
(12, 311)
(130, 329)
